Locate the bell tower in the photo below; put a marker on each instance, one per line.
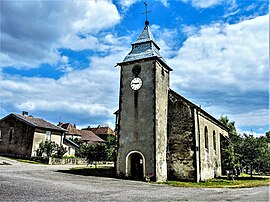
(143, 107)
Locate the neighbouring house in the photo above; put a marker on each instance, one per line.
(21, 135)
(85, 135)
(102, 131)
(89, 137)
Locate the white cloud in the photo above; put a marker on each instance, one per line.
(33, 31)
(223, 56)
(79, 95)
(203, 3)
(255, 118)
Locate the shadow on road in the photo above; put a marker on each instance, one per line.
(99, 172)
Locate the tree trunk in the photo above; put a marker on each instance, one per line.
(251, 170)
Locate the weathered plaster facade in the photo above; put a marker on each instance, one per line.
(21, 135)
(13, 142)
(143, 118)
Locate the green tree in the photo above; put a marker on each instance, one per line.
(111, 148)
(59, 151)
(50, 149)
(230, 147)
(93, 152)
(256, 153)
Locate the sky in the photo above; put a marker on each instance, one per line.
(58, 57)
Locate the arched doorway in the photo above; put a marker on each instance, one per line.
(135, 165)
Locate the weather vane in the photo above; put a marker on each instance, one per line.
(146, 11)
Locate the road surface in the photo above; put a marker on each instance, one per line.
(29, 182)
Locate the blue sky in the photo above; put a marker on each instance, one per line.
(58, 57)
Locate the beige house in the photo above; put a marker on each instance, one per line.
(21, 135)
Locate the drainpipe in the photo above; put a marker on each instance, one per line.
(199, 146)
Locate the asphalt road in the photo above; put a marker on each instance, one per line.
(28, 182)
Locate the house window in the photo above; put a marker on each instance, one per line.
(11, 132)
(48, 135)
(0, 136)
(206, 137)
(214, 140)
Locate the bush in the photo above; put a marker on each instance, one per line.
(50, 149)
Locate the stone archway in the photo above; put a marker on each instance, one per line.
(135, 165)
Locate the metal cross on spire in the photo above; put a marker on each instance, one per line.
(146, 11)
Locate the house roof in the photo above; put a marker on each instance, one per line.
(71, 130)
(35, 122)
(101, 130)
(86, 135)
(89, 136)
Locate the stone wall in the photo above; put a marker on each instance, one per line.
(181, 141)
(67, 161)
(17, 143)
(136, 118)
(210, 157)
(161, 114)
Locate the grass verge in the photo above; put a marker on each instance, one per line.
(223, 182)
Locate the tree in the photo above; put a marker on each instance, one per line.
(230, 148)
(255, 153)
(50, 149)
(93, 152)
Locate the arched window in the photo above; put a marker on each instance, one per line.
(206, 137)
(214, 140)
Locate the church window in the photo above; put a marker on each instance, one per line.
(136, 70)
(206, 137)
(214, 140)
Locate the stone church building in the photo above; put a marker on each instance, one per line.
(161, 134)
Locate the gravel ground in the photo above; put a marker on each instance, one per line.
(31, 182)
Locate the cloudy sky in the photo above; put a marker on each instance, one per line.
(58, 57)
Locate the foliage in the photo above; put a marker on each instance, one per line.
(50, 149)
(59, 151)
(229, 154)
(99, 151)
(93, 152)
(245, 151)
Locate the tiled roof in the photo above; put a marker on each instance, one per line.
(101, 130)
(71, 130)
(86, 135)
(89, 136)
(36, 122)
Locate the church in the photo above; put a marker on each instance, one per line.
(161, 134)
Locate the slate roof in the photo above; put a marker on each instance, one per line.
(144, 47)
(35, 122)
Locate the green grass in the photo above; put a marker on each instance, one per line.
(24, 160)
(28, 161)
(223, 182)
(242, 182)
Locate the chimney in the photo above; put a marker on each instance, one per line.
(74, 125)
(24, 113)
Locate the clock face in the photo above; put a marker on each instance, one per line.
(136, 83)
